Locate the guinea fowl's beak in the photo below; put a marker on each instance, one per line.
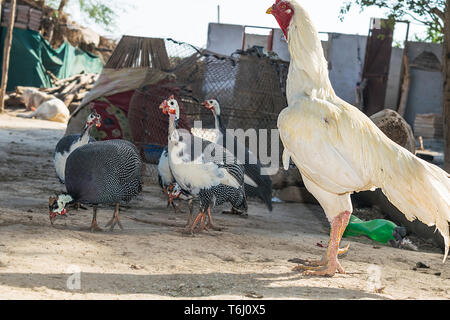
(269, 11)
(164, 106)
(207, 105)
(98, 123)
(53, 215)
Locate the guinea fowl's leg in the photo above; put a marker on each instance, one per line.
(191, 228)
(233, 211)
(94, 225)
(171, 201)
(77, 206)
(115, 219)
(168, 195)
(190, 205)
(80, 206)
(210, 224)
(202, 223)
(332, 265)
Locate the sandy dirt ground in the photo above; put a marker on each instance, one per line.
(151, 259)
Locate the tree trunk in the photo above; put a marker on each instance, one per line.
(6, 52)
(446, 93)
(62, 4)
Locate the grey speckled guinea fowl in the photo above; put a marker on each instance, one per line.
(67, 144)
(104, 172)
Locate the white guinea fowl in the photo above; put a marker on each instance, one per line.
(203, 169)
(339, 150)
(168, 183)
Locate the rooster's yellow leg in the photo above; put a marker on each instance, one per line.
(332, 265)
(307, 264)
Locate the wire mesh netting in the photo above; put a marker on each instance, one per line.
(249, 86)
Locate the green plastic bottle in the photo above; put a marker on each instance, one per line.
(379, 230)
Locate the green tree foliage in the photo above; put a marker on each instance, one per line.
(428, 12)
(98, 11)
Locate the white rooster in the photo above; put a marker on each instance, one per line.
(339, 150)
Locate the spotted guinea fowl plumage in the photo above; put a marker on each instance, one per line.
(104, 172)
(221, 193)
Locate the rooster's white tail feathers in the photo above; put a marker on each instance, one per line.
(420, 190)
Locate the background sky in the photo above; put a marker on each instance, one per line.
(187, 20)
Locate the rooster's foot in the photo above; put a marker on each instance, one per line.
(328, 271)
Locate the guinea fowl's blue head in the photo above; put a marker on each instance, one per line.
(57, 206)
(93, 119)
(213, 105)
(170, 107)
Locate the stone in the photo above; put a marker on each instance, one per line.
(295, 194)
(396, 128)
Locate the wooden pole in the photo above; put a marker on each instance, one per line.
(6, 52)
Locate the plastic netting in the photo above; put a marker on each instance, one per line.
(249, 86)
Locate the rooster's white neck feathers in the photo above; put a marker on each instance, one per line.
(308, 72)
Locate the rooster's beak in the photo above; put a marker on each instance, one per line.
(53, 215)
(269, 11)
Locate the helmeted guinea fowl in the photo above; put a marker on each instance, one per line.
(66, 145)
(204, 169)
(103, 172)
(256, 184)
